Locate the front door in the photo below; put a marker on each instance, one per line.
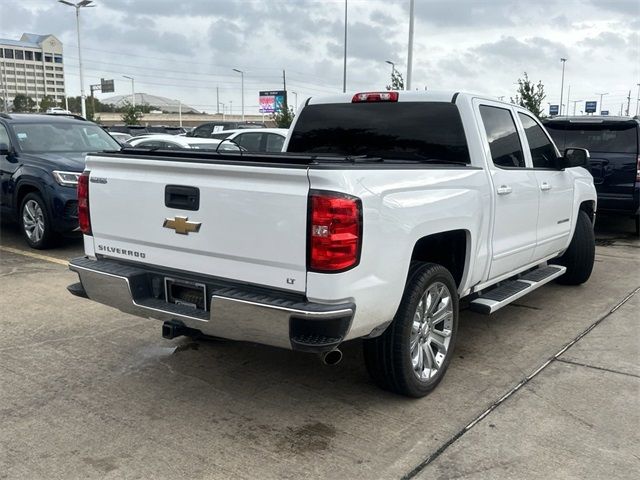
(515, 191)
(556, 190)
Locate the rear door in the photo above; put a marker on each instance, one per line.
(245, 223)
(556, 189)
(515, 187)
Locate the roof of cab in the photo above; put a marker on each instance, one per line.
(406, 96)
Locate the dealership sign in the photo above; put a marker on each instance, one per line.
(553, 109)
(272, 101)
(590, 107)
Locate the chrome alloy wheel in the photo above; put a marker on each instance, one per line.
(33, 221)
(431, 331)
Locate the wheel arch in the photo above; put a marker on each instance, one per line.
(449, 248)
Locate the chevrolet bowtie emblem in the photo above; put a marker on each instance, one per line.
(181, 225)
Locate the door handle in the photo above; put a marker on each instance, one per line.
(544, 186)
(504, 190)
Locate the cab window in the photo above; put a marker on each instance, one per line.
(543, 153)
(274, 142)
(504, 143)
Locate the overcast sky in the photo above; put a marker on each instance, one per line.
(184, 49)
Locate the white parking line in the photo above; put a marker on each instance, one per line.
(37, 256)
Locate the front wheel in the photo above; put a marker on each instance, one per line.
(581, 253)
(35, 222)
(412, 355)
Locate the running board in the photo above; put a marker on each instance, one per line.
(506, 293)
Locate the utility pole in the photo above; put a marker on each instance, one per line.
(563, 60)
(242, 87)
(628, 102)
(410, 46)
(217, 100)
(566, 113)
(284, 85)
(638, 102)
(344, 66)
(601, 95)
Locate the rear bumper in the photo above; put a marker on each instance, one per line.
(235, 312)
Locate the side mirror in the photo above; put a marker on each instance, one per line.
(4, 149)
(574, 157)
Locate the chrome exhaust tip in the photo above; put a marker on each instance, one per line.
(332, 357)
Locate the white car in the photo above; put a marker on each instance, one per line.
(385, 210)
(58, 110)
(163, 141)
(252, 139)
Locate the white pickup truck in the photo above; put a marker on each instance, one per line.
(383, 211)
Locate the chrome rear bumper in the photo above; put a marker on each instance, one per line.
(236, 313)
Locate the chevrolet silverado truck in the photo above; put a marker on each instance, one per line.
(382, 212)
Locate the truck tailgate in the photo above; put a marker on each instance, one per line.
(252, 218)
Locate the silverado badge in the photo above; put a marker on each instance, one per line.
(182, 225)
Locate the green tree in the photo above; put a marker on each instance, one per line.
(131, 115)
(397, 82)
(284, 117)
(530, 95)
(46, 102)
(22, 103)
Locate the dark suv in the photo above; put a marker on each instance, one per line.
(614, 145)
(41, 157)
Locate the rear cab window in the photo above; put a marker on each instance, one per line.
(396, 131)
(606, 137)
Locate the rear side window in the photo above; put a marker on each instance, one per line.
(506, 150)
(390, 130)
(543, 154)
(596, 137)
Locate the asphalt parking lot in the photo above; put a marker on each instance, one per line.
(548, 387)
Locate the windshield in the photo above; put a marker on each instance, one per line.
(594, 137)
(63, 137)
(390, 130)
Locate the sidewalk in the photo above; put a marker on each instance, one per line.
(578, 419)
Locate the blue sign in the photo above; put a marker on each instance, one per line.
(554, 109)
(590, 107)
(604, 112)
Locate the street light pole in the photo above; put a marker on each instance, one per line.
(601, 95)
(133, 90)
(563, 60)
(393, 69)
(344, 62)
(410, 46)
(242, 87)
(638, 101)
(78, 6)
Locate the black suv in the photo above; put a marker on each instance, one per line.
(41, 157)
(614, 145)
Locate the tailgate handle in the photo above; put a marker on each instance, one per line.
(182, 197)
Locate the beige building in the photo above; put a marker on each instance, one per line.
(32, 66)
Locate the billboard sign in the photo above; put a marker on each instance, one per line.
(272, 101)
(590, 107)
(604, 112)
(554, 109)
(106, 86)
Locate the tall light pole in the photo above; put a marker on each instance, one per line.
(133, 90)
(601, 95)
(242, 86)
(344, 64)
(638, 102)
(78, 6)
(574, 106)
(563, 60)
(410, 46)
(393, 69)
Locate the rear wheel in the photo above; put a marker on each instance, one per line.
(412, 355)
(35, 222)
(580, 255)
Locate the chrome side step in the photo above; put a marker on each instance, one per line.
(496, 298)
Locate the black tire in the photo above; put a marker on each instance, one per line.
(581, 253)
(46, 239)
(388, 357)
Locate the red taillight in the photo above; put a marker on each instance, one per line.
(83, 203)
(335, 228)
(375, 97)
